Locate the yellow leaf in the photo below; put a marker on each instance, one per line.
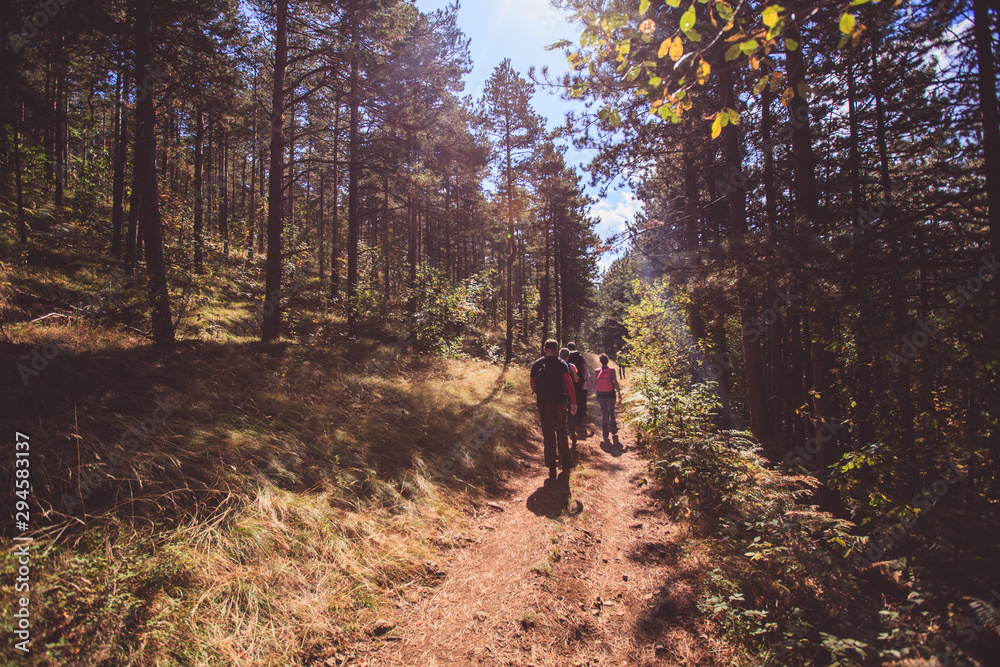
(704, 69)
(717, 126)
(787, 96)
(754, 62)
(664, 48)
(847, 24)
(676, 49)
(647, 27)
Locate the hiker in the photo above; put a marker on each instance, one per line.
(551, 383)
(582, 384)
(575, 375)
(606, 386)
(621, 358)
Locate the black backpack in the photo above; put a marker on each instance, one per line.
(576, 358)
(549, 384)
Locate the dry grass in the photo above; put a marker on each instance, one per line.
(290, 492)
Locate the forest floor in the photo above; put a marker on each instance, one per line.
(582, 570)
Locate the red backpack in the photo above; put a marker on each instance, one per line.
(605, 380)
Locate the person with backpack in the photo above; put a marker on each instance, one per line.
(606, 386)
(552, 383)
(583, 383)
(621, 359)
(575, 375)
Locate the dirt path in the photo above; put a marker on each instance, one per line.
(577, 571)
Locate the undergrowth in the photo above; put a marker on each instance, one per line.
(782, 583)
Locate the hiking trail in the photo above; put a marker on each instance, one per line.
(584, 571)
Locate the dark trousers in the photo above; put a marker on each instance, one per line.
(553, 418)
(581, 403)
(608, 421)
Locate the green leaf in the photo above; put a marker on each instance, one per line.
(759, 86)
(688, 18)
(643, 7)
(614, 118)
(734, 52)
(791, 45)
(693, 35)
(859, 2)
(616, 21)
(655, 81)
(770, 15)
(749, 46)
(724, 10)
(847, 23)
(674, 3)
(633, 73)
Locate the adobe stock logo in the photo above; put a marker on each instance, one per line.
(45, 11)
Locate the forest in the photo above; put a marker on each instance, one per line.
(273, 277)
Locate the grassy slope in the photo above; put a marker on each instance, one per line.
(286, 491)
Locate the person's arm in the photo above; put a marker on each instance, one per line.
(570, 389)
(533, 384)
(618, 387)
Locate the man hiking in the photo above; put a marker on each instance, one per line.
(551, 383)
(583, 383)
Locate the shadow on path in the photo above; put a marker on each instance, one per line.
(614, 448)
(553, 499)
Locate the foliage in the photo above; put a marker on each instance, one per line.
(659, 336)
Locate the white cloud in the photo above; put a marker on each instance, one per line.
(613, 216)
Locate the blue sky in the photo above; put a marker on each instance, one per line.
(520, 30)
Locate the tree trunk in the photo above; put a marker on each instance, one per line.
(901, 384)
(60, 139)
(321, 224)
(224, 193)
(546, 282)
(509, 341)
(991, 122)
(132, 229)
(22, 225)
(862, 341)
(145, 170)
(354, 166)
(807, 199)
(335, 222)
(121, 156)
(271, 325)
(199, 187)
(251, 214)
(749, 308)
(411, 257)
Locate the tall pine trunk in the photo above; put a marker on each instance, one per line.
(807, 200)
(271, 325)
(199, 191)
(991, 122)
(749, 307)
(354, 167)
(121, 156)
(145, 176)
